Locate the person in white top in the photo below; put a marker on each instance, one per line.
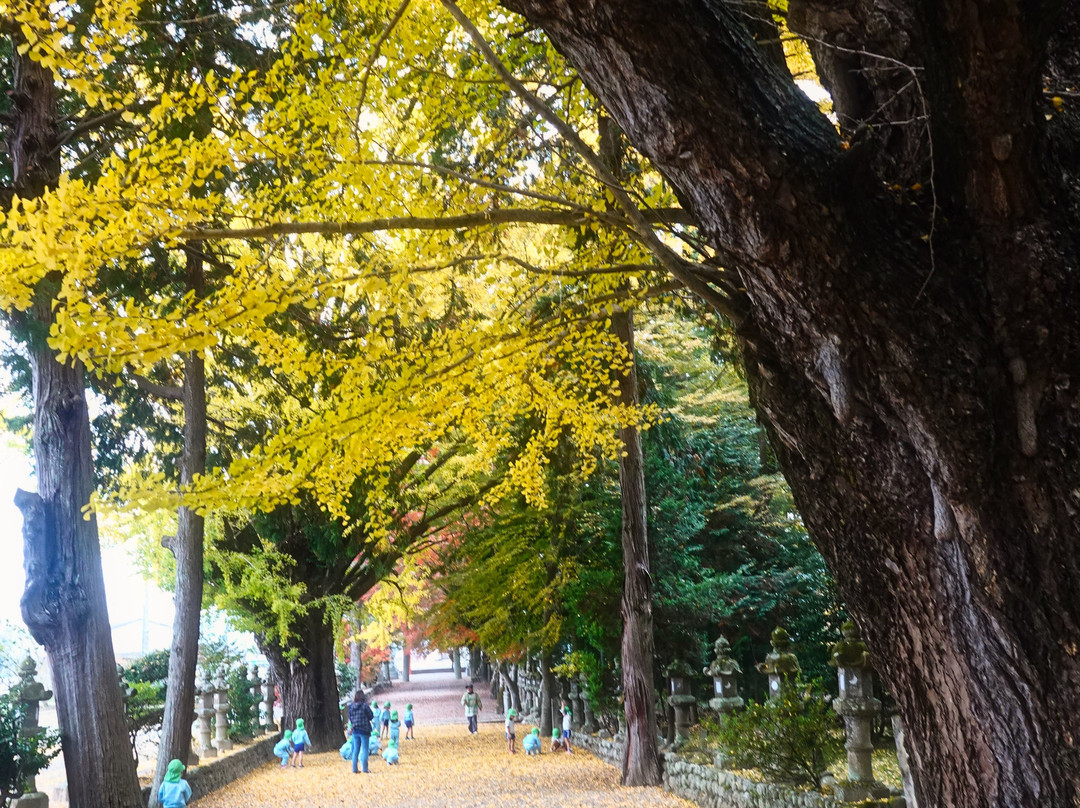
(565, 710)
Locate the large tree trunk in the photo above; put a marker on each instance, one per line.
(187, 548)
(309, 688)
(908, 309)
(547, 690)
(64, 602)
(641, 757)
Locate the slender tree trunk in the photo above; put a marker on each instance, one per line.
(906, 292)
(546, 690)
(455, 660)
(641, 761)
(64, 601)
(406, 663)
(510, 685)
(187, 548)
(309, 689)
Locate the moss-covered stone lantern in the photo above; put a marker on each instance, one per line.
(780, 665)
(724, 671)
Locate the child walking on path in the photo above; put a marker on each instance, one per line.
(511, 718)
(472, 705)
(284, 748)
(409, 720)
(175, 791)
(301, 741)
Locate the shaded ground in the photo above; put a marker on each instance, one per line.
(444, 766)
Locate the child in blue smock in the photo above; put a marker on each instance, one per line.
(373, 744)
(284, 748)
(175, 791)
(301, 741)
(532, 742)
(409, 720)
(395, 727)
(391, 753)
(385, 721)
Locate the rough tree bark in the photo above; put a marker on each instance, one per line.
(187, 548)
(906, 293)
(64, 601)
(641, 757)
(308, 682)
(546, 691)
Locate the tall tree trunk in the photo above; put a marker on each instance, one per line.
(187, 548)
(547, 689)
(455, 661)
(641, 757)
(510, 685)
(908, 312)
(309, 687)
(64, 602)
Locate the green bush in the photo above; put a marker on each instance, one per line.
(790, 740)
(346, 678)
(20, 758)
(243, 706)
(144, 685)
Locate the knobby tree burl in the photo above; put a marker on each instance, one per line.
(906, 290)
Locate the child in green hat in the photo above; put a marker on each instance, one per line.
(175, 791)
(385, 720)
(511, 718)
(395, 726)
(284, 748)
(409, 721)
(532, 742)
(556, 739)
(391, 753)
(301, 741)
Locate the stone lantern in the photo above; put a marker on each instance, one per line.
(857, 705)
(679, 675)
(222, 707)
(725, 675)
(31, 694)
(204, 712)
(780, 664)
(590, 726)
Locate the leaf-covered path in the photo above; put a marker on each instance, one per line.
(444, 766)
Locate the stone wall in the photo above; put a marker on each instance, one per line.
(219, 772)
(710, 786)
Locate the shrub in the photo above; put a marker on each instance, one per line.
(346, 679)
(243, 706)
(790, 740)
(144, 684)
(20, 758)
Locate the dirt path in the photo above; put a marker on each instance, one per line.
(444, 766)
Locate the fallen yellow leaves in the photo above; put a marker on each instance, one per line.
(444, 766)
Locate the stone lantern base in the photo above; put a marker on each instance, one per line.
(34, 799)
(853, 791)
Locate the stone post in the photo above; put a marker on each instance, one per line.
(576, 709)
(205, 703)
(31, 694)
(590, 726)
(857, 705)
(680, 699)
(256, 692)
(270, 726)
(221, 706)
(780, 665)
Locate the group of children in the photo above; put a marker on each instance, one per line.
(559, 740)
(389, 728)
(292, 745)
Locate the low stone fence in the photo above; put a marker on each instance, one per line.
(218, 773)
(713, 787)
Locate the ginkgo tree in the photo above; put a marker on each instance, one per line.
(349, 133)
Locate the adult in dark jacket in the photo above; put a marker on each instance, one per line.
(360, 717)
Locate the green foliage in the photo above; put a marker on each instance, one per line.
(144, 685)
(15, 645)
(790, 740)
(20, 758)
(243, 706)
(346, 679)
